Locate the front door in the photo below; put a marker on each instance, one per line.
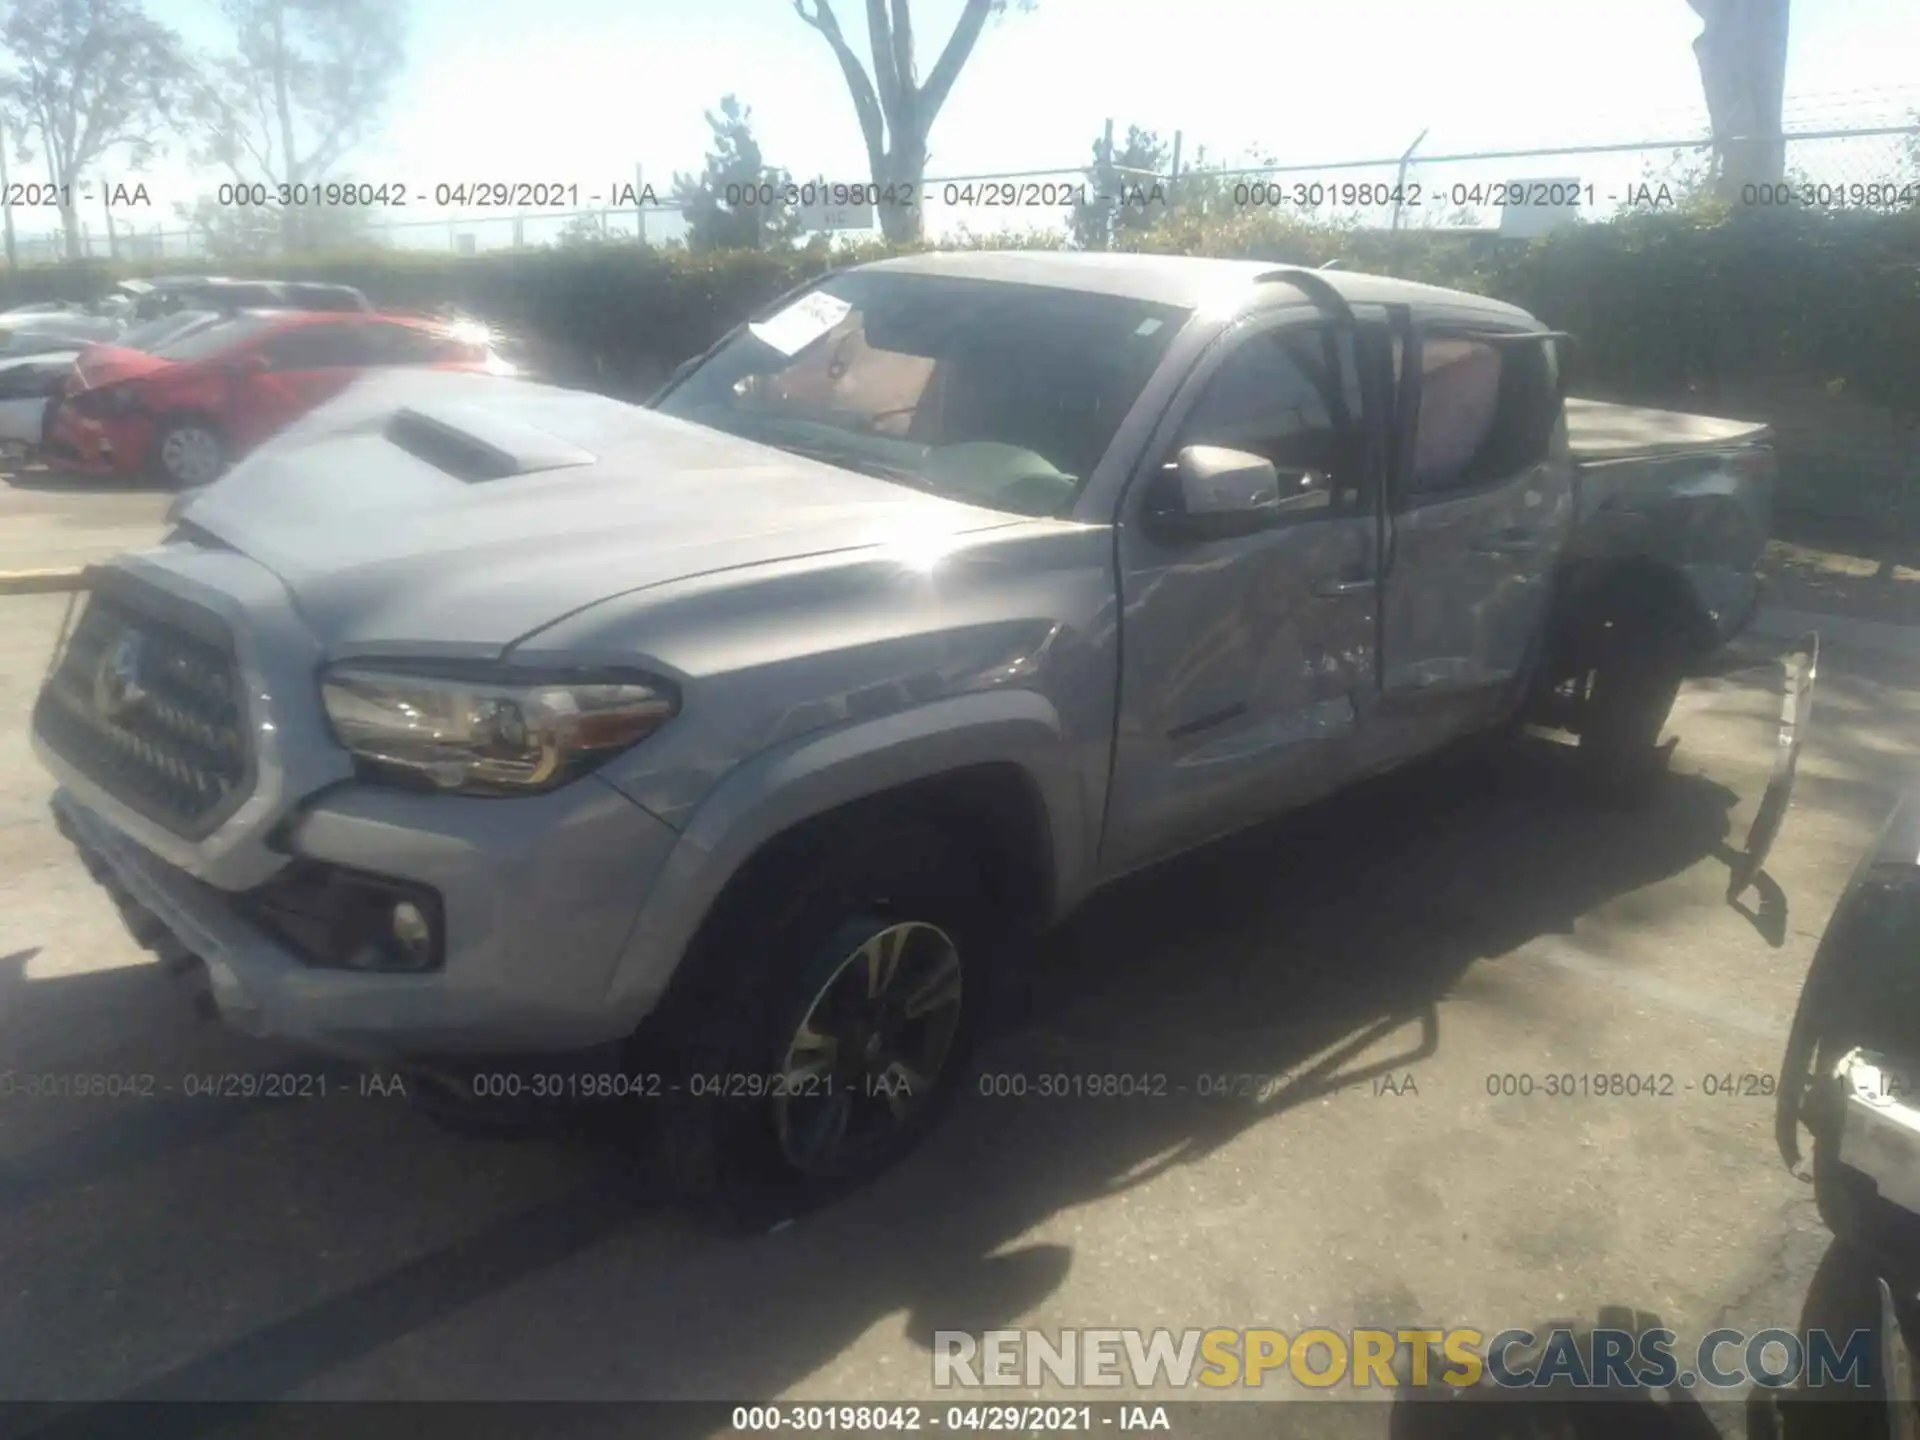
(1245, 662)
(303, 367)
(1481, 512)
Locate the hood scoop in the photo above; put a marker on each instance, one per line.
(475, 444)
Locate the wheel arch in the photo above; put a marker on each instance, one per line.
(1633, 589)
(990, 769)
(172, 416)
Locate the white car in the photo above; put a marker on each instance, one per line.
(26, 384)
(29, 382)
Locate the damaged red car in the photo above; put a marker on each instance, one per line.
(183, 411)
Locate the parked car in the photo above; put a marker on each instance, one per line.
(168, 293)
(39, 307)
(721, 745)
(181, 410)
(33, 334)
(131, 303)
(29, 383)
(1852, 1075)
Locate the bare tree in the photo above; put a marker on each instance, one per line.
(896, 111)
(91, 77)
(1742, 52)
(306, 81)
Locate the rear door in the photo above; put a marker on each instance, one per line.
(298, 368)
(1481, 508)
(1245, 662)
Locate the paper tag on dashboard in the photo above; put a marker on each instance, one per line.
(802, 322)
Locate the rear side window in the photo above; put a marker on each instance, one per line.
(1486, 413)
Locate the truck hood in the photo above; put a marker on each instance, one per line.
(452, 513)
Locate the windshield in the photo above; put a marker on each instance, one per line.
(206, 341)
(168, 327)
(999, 395)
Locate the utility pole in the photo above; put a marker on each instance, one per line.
(639, 203)
(1108, 181)
(6, 195)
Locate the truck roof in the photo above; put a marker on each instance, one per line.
(1184, 280)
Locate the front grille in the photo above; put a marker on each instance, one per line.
(152, 712)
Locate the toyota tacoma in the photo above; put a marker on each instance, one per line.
(726, 745)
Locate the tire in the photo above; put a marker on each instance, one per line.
(1630, 683)
(786, 963)
(187, 452)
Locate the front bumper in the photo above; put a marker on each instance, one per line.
(86, 445)
(539, 894)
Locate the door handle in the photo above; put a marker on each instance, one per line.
(1335, 586)
(1514, 541)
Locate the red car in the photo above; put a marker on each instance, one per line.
(183, 411)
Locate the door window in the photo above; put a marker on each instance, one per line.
(1291, 396)
(317, 347)
(1487, 413)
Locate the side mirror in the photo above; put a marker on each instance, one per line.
(1209, 492)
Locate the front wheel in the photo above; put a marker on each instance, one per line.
(188, 453)
(830, 1016)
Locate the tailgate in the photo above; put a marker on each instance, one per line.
(1598, 431)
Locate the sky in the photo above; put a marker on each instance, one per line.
(579, 92)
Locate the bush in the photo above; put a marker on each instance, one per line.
(1662, 304)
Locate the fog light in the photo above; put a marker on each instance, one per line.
(346, 920)
(413, 932)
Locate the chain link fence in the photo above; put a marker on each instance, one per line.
(1521, 192)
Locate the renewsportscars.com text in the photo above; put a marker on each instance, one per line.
(1390, 1359)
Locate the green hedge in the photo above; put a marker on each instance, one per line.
(1663, 305)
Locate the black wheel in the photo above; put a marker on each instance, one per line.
(1629, 684)
(827, 1015)
(188, 452)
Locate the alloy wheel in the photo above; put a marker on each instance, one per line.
(190, 454)
(866, 1058)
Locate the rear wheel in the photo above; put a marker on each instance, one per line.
(1627, 685)
(188, 452)
(829, 1016)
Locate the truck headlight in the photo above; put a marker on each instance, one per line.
(490, 735)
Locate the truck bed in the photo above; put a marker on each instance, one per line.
(1691, 492)
(1598, 432)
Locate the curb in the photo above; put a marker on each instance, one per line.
(1876, 635)
(43, 582)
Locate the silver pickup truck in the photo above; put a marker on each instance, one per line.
(724, 744)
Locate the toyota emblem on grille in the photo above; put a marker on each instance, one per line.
(117, 691)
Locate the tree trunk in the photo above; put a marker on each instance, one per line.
(1742, 53)
(906, 173)
(70, 223)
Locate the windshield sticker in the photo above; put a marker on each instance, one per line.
(802, 322)
(1148, 326)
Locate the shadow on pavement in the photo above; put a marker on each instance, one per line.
(1298, 950)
